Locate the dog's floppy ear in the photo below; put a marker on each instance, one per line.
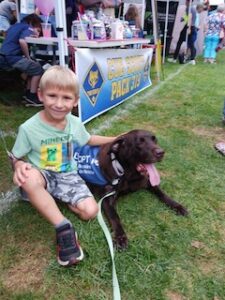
(116, 145)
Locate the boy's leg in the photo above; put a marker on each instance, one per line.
(72, 190)
(86, 209)
(41, 199)
(69, 251)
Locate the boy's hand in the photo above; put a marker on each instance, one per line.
(21, 172)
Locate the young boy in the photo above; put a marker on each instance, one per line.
(14, 53)
(47, 140)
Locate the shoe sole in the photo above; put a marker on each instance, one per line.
(29, 103)
(74, 261)
(220, 147)
(33, 104)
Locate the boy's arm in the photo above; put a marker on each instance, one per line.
(96, 140)
(24, 47)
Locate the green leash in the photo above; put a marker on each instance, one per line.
(115, 283)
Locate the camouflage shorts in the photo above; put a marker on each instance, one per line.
(66, 187)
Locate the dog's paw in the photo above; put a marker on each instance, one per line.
(121, 242)
(181, 210)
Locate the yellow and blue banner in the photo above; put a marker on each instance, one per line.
(110, 76)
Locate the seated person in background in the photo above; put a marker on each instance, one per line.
(132, 16)
(14, 53)
(7, 15)
(71, 14)
(106, 5)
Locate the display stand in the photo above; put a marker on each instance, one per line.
(109, 71)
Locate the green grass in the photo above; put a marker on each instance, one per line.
(169, 257)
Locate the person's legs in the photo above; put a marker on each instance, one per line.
(207, 48)
(223, 119)
(40, 198)
(214, 44)
(86, 209)
(34, 72)
(34, 83)
(191, 42)
(181, 39)
(72, 189)
(69, 251)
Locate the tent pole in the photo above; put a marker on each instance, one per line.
(166, 30)
(17, 11)
(61, 31)
(156, 38)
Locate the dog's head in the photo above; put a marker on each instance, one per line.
(137, 147)
(138, 150)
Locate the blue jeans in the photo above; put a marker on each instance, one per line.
(224, 109)
(211, 42)
(192, 37)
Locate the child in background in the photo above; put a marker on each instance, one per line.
(47, 140)
(14, 53)
(132, 16)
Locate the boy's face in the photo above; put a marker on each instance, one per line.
(37, 31)
(57, 102)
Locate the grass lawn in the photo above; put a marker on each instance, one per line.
(169, 257)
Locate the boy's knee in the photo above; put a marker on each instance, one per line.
(90, 213)
(35, 179)
(86, 209)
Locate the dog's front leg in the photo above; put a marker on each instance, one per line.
(109, 208)
(180, 209)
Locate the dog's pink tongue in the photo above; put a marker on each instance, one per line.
(153, 174)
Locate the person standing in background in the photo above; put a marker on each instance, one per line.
(183, 33)
(108, 6)
(215, 24)
(192, 36)
(7, 15)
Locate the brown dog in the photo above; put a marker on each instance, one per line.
(127, 165)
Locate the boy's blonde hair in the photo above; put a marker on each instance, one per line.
(60, 77)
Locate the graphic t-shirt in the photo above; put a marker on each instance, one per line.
(47, 147)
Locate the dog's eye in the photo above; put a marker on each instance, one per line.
(142, 140)
(154, 138)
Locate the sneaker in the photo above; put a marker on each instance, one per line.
(193, 62)
(32, 100)
(69, 251)
(172, 60)
(212, 61)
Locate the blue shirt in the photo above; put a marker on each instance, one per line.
(11, 46)
(86, 158)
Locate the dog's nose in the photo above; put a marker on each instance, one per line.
(159, 152)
